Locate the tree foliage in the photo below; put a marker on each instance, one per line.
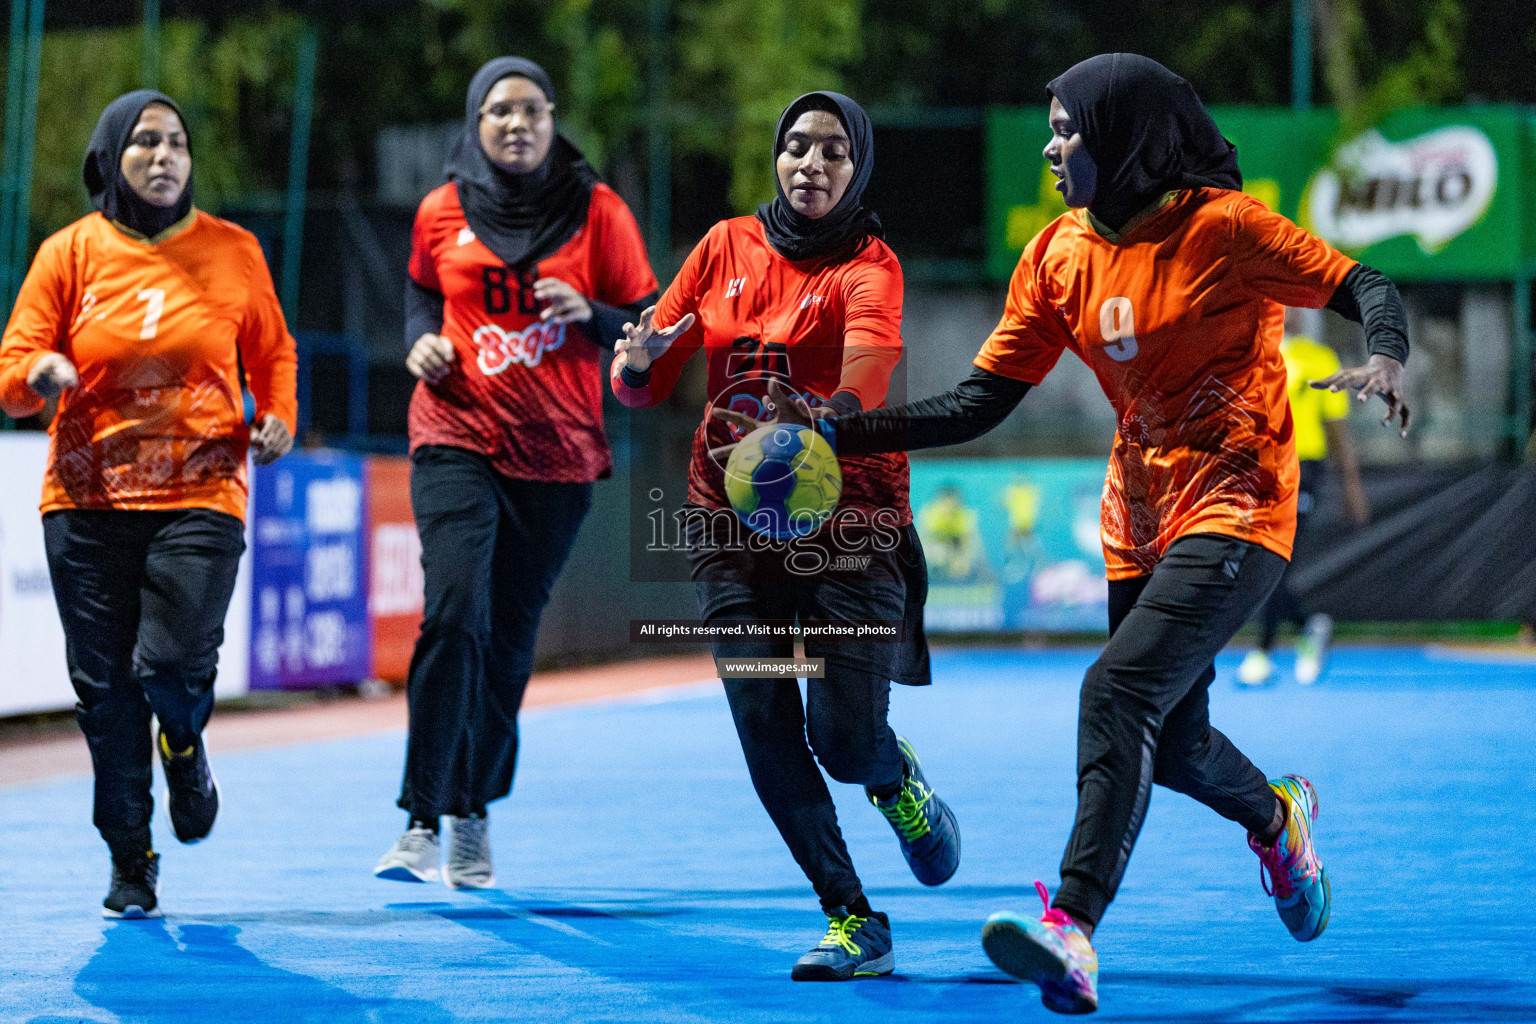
(732, 65)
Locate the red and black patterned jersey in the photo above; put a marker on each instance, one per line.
(825, 326)
(524, 393)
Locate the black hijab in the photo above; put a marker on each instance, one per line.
(522, 218)
(846, 225)
(110, 191)
(1147, 131)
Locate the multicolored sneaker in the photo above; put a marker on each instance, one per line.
(924, 824)
(1051, 952)
(1290, 869)
(854, 947)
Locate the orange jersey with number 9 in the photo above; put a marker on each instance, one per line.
(158, 334)
(1181, 320)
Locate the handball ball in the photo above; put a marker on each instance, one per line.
(783, 480)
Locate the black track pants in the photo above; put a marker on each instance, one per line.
(491, 548)
(142, 598)
(842, 723)
(1144, 714)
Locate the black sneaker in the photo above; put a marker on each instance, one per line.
(135, 891)
(854, 947)
(192, 795)
(924, 824)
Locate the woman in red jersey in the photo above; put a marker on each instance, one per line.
(140, 317)
(1170, 284)
(807, 293)
(523, 267)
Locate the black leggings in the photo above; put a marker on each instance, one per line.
(842, 723)
(491, 548)
(1144, 715)
(142, 598)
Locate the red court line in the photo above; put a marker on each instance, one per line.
(64, 752)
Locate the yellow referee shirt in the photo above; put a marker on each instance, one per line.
(1306, 361)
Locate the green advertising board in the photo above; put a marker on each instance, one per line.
(1432, 194)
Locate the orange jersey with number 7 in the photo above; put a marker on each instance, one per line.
(158, 334)
(1181, 320)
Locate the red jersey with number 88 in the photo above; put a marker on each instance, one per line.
(823, 326)
(524, 393)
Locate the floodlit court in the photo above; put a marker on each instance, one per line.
(639, 878)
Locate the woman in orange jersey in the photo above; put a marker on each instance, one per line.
(807, 293)
(1170, 284)
(139, 317)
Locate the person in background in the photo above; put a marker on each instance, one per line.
(952, 537)
(141, 317)
(1321, 431)
(523, 269)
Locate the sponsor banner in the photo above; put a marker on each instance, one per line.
(1426, 194)
(309, 601)
(31, 639)
(1012, 544)
(395, 598)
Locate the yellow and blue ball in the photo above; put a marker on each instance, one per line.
(783, 480)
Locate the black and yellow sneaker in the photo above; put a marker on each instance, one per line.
(924, 824)
(135, 891)
(854, 947)
(192, 795)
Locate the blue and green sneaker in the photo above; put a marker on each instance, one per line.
(924, 824)
(854, 947)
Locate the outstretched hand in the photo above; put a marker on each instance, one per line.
(784, 406)
(644, 343)
(1381, 375)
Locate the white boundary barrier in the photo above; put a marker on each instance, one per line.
(32, 673)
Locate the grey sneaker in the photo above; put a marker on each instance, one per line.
(469, 855)
(1312, 648)
(413, 858)
(854, 947)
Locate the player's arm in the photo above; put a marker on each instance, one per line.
(1021, 350)
(626, 287)
(1296, 268)
(650, 354)
(32, 368)
(1369, 298)
(429, 355)
(871, 337)
(1341, 450)
(271, 362)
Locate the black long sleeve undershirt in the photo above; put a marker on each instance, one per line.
(424, 315)
(607, 323)
(1369, 298)
(984, 399)
(975, 406)
(423, 311)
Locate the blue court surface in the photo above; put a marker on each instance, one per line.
(642, 880)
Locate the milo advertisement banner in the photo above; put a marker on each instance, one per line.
(1443, 194)
(1012, 544)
